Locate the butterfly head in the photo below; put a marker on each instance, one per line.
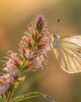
(55, 36)
(56, 41)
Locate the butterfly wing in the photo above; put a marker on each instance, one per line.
(70, 54)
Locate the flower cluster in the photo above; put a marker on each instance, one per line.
(35, 43)
(12, 72)
(33, 46)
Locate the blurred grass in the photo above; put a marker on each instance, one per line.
(15, 16)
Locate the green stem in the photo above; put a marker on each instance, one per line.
(23, 64)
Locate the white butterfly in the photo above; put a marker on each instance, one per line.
(68, 52)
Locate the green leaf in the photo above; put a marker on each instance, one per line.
(1, 99)
(30, 95)
(4, 98)
(48, 98)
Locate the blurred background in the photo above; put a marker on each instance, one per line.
(15, 17)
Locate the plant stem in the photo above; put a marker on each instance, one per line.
(9, 96)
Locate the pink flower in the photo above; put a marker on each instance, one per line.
(40, 23)
(11, 72)
(27, 41)
(14, 61)
(5, 81)
(35, 43)
(37, 62)
(45, 33)
(33, 46)
(2, 80)
(29, 56)
(8, 77)
(9, 69)
(3, 89)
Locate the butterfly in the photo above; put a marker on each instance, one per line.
(68, 52)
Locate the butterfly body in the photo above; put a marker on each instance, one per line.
(68, 52)
(56, 41)
(56, 46)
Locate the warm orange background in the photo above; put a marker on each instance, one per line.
(15, 16)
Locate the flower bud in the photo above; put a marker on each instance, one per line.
(40, 23)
